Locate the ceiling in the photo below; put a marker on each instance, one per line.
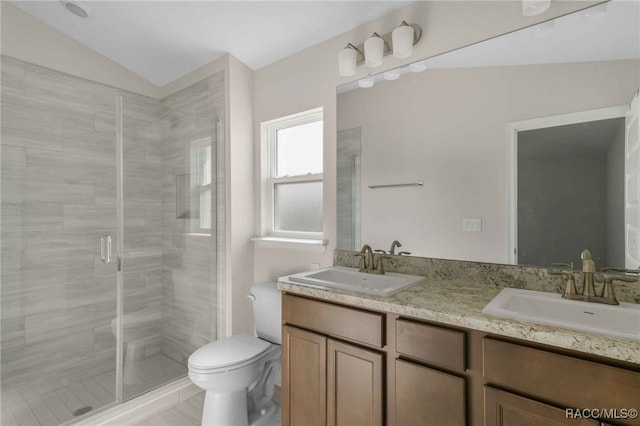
(164, 40)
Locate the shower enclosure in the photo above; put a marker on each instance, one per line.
(109, 237)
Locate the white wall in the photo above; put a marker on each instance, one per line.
(241, 178)
(309, 79)
(447, 128)
(26, 38)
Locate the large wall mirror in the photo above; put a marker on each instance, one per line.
(520, 149)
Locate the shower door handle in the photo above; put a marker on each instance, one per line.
(105, 248)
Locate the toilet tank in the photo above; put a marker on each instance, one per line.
(267, 311)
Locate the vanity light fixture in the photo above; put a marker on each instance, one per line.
(374, 50)
(393, 74)
(417, 66)
(376, 47)
(402, 40)
(347, 60)
(366, 82)
(535, 7)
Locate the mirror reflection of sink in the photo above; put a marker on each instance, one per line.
(350, 279)
(551, 309)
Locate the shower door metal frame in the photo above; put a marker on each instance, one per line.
(119, 250)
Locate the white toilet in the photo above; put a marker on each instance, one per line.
(238, 372)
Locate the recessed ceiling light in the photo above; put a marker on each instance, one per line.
(76, 8)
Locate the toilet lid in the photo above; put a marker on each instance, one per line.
(228, 351)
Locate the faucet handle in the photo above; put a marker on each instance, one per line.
(607, 291)
(379, 266)
(626, 271)
(362, 266)
(570, 290)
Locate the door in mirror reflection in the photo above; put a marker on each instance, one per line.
(570, 189)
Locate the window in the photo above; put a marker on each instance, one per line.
(292, 187)
(201, 186)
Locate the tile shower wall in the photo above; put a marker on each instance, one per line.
(142, 194)
(189, 258)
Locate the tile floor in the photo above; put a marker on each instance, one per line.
(58, 406)
(189, 412)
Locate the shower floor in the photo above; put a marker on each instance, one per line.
(58, 406)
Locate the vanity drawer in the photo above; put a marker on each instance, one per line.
(568, 381)
(431, 344)
(334, 320)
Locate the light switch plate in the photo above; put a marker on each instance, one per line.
(472, 224)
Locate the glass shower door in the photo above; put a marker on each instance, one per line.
(58, 213)
(147, 363)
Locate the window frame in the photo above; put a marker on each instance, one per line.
(269, 132)
(196, 186)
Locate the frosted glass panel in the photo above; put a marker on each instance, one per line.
(298, 206)
(299, 150)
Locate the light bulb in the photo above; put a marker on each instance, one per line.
(392, 74)
(417, 67)
(373, 51)
(347, 59)
(366, 82)
(535, 7)
(402, 40)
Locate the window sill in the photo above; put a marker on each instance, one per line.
(291, 243)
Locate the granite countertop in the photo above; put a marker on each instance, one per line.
(460, 303)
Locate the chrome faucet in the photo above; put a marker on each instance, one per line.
(588, 271)
(394, 244)
(368, 263)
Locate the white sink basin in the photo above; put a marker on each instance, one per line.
(551, 309)
(350, 279)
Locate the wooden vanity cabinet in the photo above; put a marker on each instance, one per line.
(426, 393)
(563, 380)
(354, 385)
(425, 396)
(332, 374)
(507, 409)
(347, 366)
(304, 372)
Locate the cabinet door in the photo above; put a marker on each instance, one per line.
(506, 409)
(354, 385)
(304, 380)
(427, 397)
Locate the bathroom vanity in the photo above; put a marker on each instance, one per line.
(429, 353)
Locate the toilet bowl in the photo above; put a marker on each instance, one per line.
(138, 327)
(238, 372)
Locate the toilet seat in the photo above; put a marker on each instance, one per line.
(227, 354)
